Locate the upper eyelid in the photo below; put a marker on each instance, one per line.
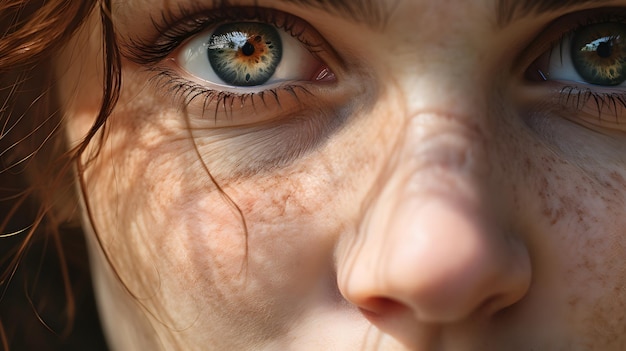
(169, 30)
(174, 29)
(563, 26)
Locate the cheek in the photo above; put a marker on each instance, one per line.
(177, 241)
(240, 247)
(593, 248)
(577, 239)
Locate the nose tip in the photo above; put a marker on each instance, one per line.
(452, 265)
(441, 264)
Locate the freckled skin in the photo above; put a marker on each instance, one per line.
(439, 217)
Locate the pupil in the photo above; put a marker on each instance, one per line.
(248, 49)
(605, 49)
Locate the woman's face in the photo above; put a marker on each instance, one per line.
(358, 175)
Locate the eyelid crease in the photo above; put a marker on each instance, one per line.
(563, 27)
(173, 30)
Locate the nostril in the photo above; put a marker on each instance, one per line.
(376, 307)
(498, 303)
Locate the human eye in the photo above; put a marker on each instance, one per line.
(249, 54)
(237, 65)
(585, 68)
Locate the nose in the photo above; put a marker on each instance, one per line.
(435, 245)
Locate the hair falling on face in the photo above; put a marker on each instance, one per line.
(406, 175)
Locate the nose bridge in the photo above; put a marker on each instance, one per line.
(439, 157)
(437, 154)
(441, 150)
(447, 71)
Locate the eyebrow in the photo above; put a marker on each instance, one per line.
(510, 10)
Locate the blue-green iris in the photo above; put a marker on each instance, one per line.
(245, 53)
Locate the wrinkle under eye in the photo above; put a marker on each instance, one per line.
(245, 54)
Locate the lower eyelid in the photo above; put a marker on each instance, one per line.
(606, 110)
(602, 110)
(217, 105)
(253, 150)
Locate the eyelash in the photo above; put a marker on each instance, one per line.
(173, 30)
(576, 96)
(189, 91)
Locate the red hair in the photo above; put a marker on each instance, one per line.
(46, 299)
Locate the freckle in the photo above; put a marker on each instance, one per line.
(557, 216)
(618, 178)
(527, 164)
(589, 266)
(543, 189)
(609, 185)
(582, 221)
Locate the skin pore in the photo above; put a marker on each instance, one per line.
(430, 194)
